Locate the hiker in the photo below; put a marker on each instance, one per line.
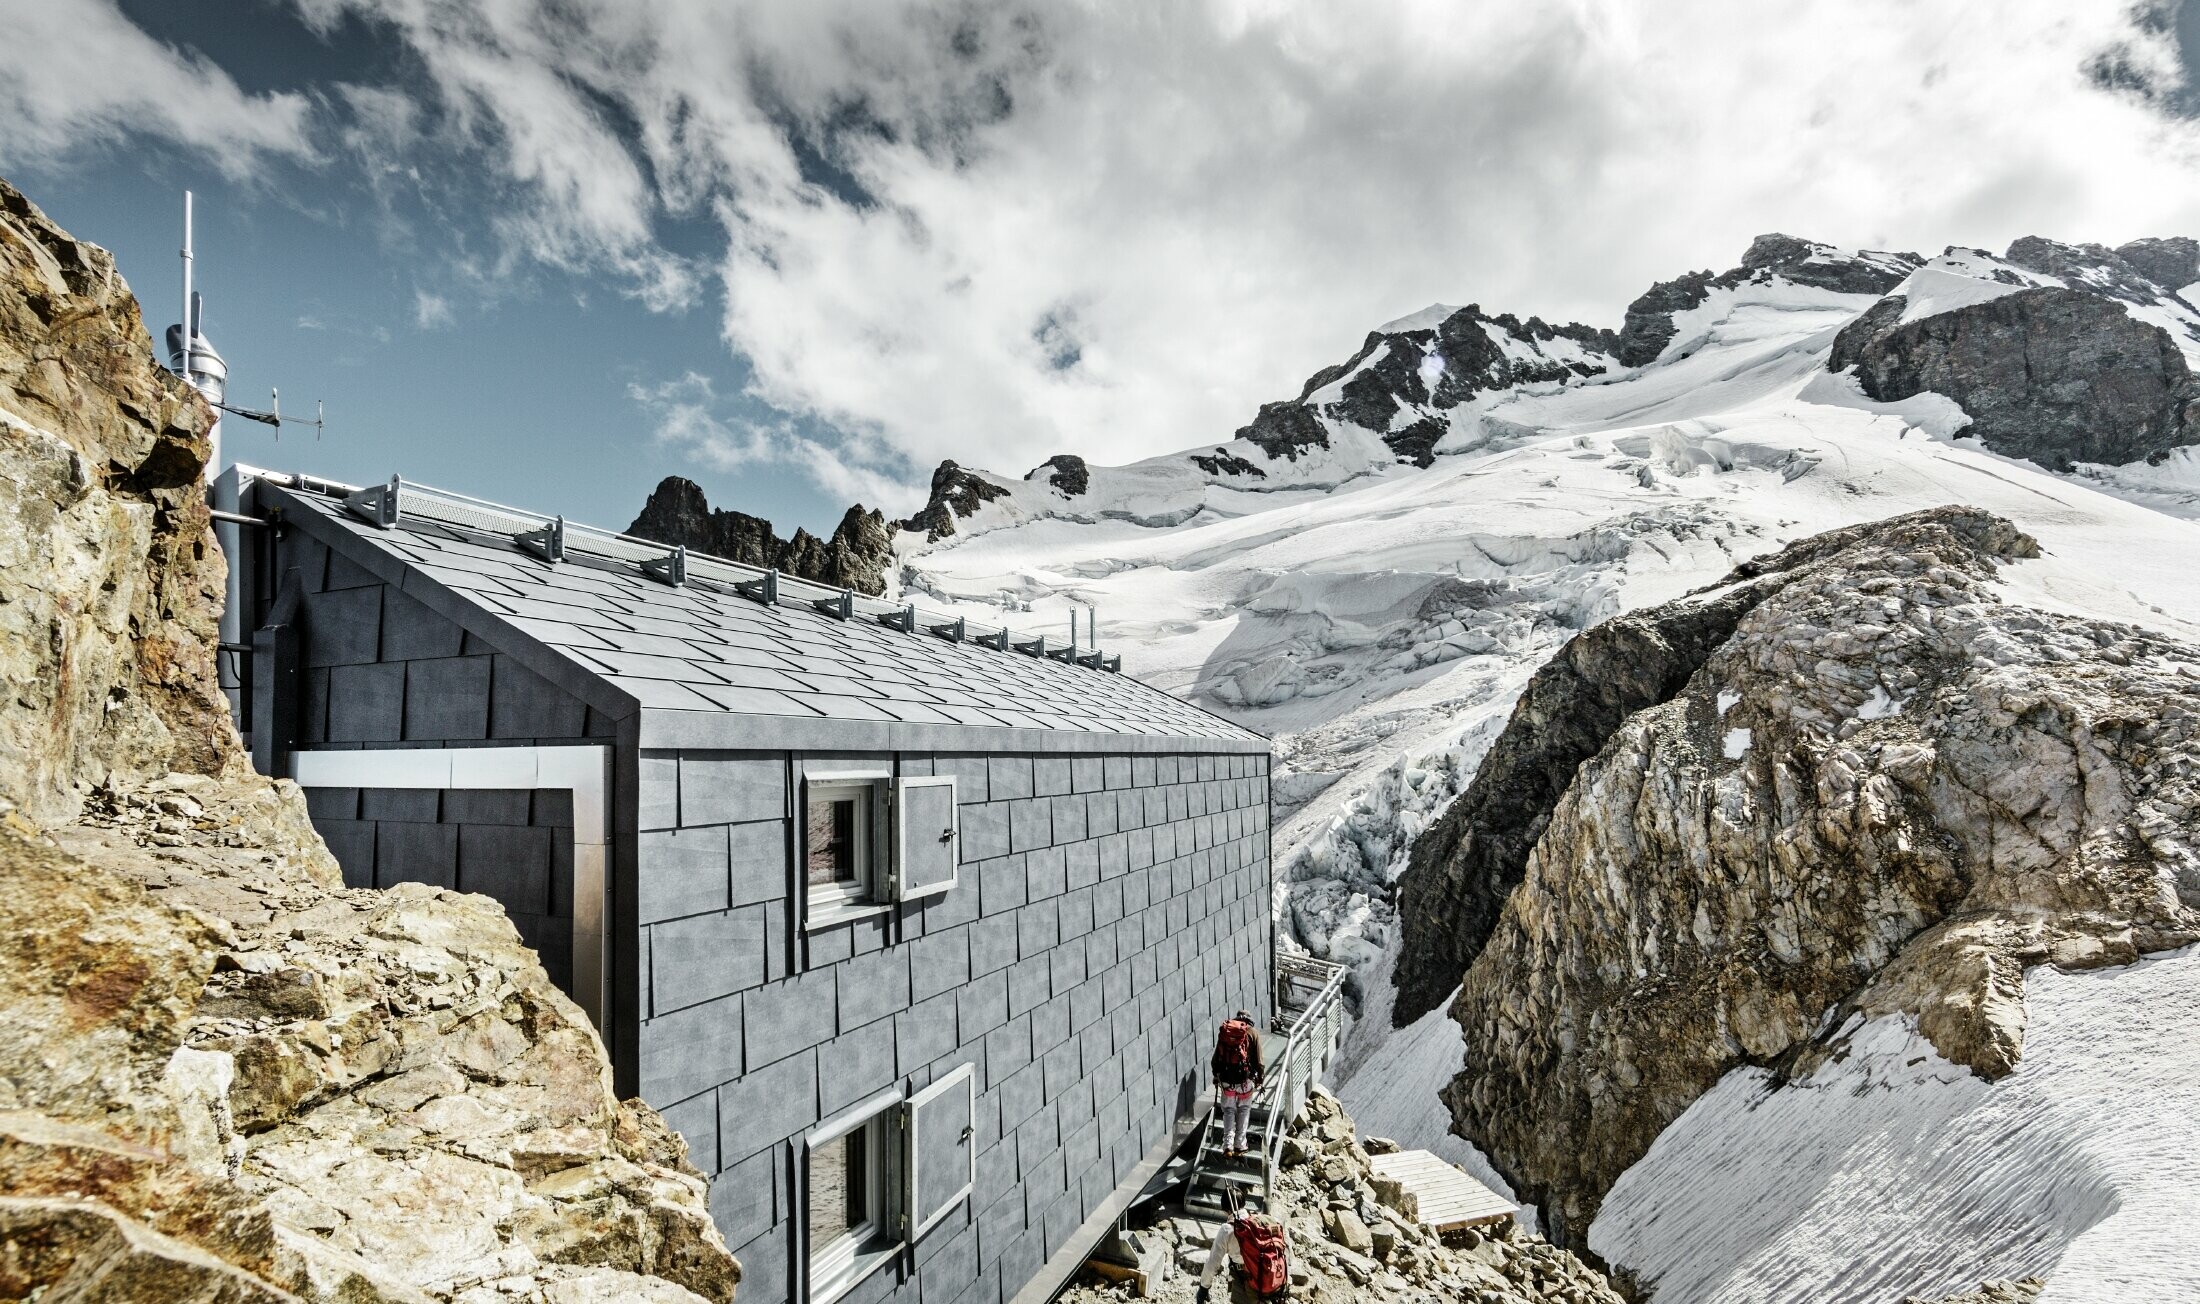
(1238, 1072)
(1253, 1244)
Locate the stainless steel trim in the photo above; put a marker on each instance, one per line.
(583, 771)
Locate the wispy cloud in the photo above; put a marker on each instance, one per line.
(431, 312)
(688, 413)
(78, 73)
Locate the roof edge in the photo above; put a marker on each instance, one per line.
(674, 730)
(592, 689)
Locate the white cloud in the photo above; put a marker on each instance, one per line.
(77, 73)
(431, 312)
(1117, 228)
(687, 412)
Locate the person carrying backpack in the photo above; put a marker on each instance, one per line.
(1254, 1244)
(1238, 1071)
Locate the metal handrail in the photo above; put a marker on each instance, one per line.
(1309, 1005)
(1317, 1020)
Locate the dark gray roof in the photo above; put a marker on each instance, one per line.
(704, 647)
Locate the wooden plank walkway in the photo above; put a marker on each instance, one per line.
(1448, 1199)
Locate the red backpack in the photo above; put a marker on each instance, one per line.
(1261, 1245)
(1233, 1061)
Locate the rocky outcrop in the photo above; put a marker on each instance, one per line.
(1886, 790)
(1224, 462)
(1284, 430)
(2056, 375)
(1649, 325)
(1355, 1236)
(226, 1072)
(112, 583)
(857, 557)
(2172, 263)
(956, 495)
(1066, 472)
(1990, 1292)
(1467, 863)
(224, 1076)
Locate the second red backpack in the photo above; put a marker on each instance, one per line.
(1261, 1246)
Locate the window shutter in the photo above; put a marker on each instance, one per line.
(925, 831)
(942, 1162)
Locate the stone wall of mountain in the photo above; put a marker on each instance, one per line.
(223, 1075)
(1849, 778)
(2057, 374)
(112, 583)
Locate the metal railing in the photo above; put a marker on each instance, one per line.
(390, 503)
(1310, 1004)
(1309, 1012)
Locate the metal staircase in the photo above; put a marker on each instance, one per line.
(1309, 1005)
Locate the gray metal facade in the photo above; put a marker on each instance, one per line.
(1111, 909)
(1110, 906)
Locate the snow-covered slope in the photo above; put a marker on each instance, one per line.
(1379, 618)
(1902, 1173)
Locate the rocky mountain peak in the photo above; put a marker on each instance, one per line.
(2172, 263)
(2163, 266)
(956, 494)
(1649, 324)
(1407, 379)
(858, 555)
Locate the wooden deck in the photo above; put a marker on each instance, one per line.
(1448, 1199)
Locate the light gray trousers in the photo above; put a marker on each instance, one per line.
(1237, 1115)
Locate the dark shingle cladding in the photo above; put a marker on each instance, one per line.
(707, 665)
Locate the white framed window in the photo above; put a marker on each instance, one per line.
(870, 840)
(852, 1210)
(881, 1175)
(844, 840)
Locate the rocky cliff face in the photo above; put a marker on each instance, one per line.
(1884, 790)
(2056, 375)
(856, 557)
(112, 581)
(224, 1076)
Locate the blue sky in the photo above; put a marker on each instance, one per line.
(551, 252)
(316, 285)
